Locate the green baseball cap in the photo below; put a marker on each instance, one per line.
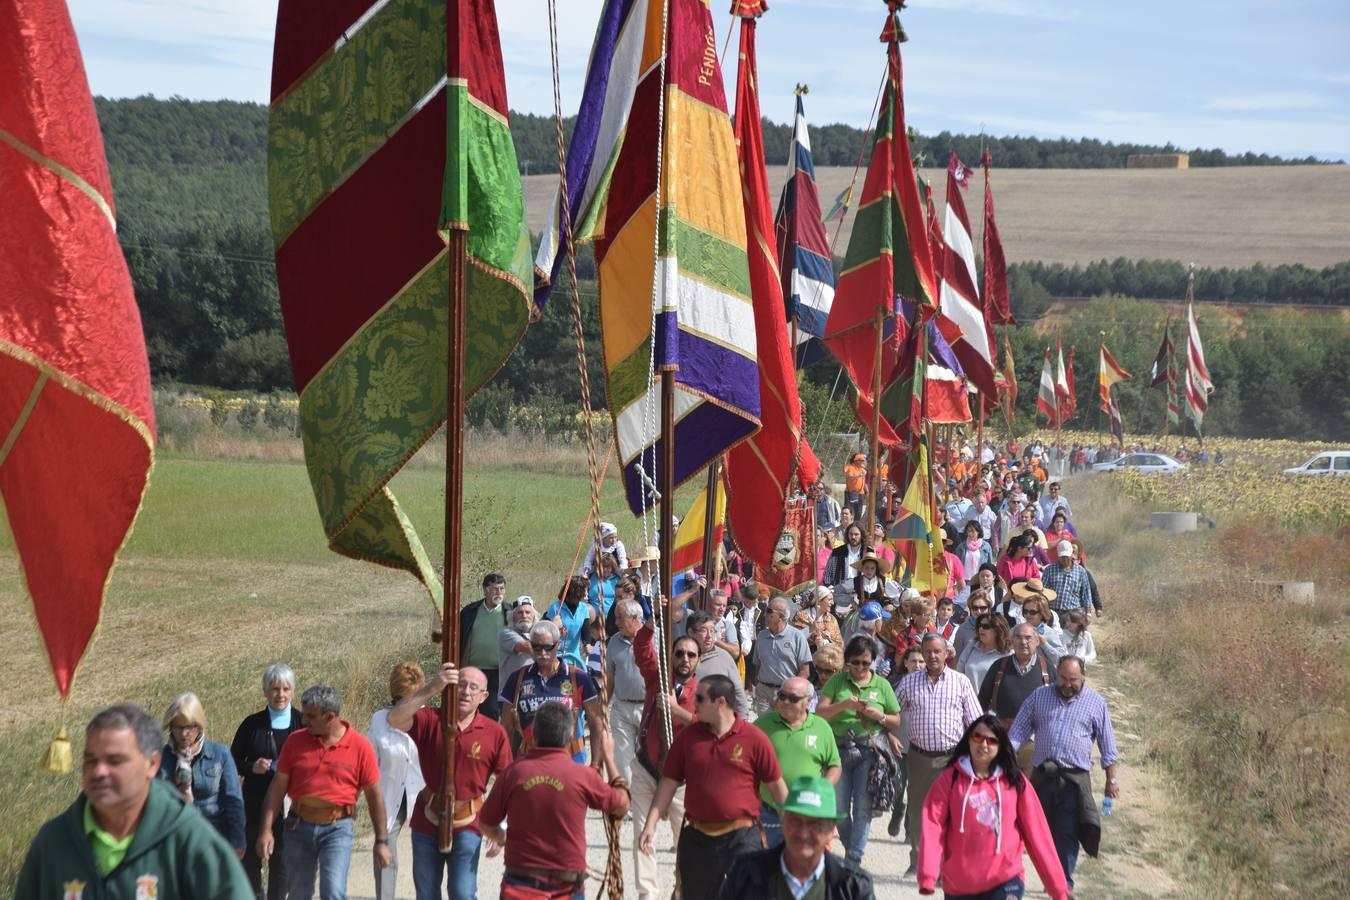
(813, 797)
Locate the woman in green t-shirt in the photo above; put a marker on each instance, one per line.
(858, 703)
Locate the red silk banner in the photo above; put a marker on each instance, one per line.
(76, 415)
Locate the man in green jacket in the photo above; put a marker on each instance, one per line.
(128, 834)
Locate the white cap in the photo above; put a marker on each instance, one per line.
(1065, 548)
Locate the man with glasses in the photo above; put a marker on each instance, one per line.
(803, 743)
(721, 760)
(937, 704)
(651, 739)
(482, 751)
(551, 678)
(781, 652)
(712, 659)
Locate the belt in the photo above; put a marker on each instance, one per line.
(626, 700)
(322, 816)
(917, 749)
(562, 875)
(717, 829)
(769, 684)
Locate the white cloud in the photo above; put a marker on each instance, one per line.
(1266, 101)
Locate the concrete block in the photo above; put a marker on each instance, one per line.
(1173, 522)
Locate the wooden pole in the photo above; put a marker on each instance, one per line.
(666, 485)
(709, 524)
(874, 464)
(454, 524)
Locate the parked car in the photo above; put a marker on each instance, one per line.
(1328, 462)
(1141, 462)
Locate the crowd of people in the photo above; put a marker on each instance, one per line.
(767, 737)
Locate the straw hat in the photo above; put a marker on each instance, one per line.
(646, 554)
(1032, 587)
(883, 567)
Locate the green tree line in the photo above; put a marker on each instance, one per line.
(190, 190)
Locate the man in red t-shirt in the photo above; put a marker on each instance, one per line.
(545, 795)
(730, 759)
(322, 769)
(482, 750)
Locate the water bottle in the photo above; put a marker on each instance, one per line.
(1108, 805)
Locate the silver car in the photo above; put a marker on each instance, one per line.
(1141, 462)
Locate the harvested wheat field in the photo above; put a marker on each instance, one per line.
(1232, 216)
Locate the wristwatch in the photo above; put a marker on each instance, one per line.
(383, 840)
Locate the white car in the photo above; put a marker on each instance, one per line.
(1328, 462)
(1141, 462)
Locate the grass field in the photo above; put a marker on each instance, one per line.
(227, 572)
(1232, 216)
(1235, 700)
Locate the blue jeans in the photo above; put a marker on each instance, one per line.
(1008, 890)
(430, 866)
(1063, 820)
(852, 800)
(322, 849)
(773, 825)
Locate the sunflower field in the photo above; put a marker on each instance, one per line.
(1249, 484)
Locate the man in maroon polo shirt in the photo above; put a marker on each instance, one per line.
(722, 761)
(482, 750)
(651, 743)
(545, 795)
(323, 768)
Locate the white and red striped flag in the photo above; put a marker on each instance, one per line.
(963, 320)
(1047, 404)
(1198, 387)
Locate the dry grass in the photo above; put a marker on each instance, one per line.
(1215, 217)
(1241, 700)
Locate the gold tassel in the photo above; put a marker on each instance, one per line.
(57, 758)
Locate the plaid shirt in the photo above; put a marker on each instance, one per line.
(937, 714)
(1072, 588)
(1065, 729)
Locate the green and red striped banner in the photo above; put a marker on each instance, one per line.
(388, 125)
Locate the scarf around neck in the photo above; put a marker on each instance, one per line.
(182, 773)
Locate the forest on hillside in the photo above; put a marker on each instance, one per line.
(189, 184)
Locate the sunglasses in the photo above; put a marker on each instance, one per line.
(979, 609)
(858, 662)
(985, 625)
(685, 654)
(826, 673)
(791, 698)
(543, 648)
(987, 739)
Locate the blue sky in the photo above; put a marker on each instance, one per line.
(1270, 76)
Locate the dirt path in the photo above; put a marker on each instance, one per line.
(1136, 842)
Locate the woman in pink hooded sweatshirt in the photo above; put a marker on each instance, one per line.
(978, 816)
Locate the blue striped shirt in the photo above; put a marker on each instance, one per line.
(1071, 587)
(1065, 729)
